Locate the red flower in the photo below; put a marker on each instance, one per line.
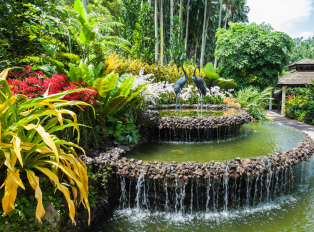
(131, 116)
(126, 119)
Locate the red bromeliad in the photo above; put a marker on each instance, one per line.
(32, 86)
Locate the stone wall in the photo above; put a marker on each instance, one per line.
(238, 167)
(186, 106)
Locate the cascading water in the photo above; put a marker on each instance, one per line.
(173, 195)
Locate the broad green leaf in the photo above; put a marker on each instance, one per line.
(80, 9)
(209, 67)
(227, 84)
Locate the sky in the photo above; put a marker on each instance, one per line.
(294, 17)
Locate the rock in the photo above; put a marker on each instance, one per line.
(52, 217)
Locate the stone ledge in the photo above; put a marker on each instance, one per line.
(201, 122)
(186, 106)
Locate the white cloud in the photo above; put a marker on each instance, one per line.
(283, 15)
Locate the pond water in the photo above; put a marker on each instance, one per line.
(289, 211)
(196, 113)
(255, 139)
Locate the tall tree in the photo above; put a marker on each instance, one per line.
(156, 32)
(150, 3)
(258, 54)
(219, 24)
(205, 28)
(187, 24)
(171, 17)
(181, 14)
(161, 33)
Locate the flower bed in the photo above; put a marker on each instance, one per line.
(35, 84)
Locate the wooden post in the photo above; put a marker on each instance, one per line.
(284, 88)
(270, 100)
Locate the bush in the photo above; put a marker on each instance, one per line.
(32, 86)
(254, 101)
(170, 73)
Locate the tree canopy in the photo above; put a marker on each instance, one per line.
(252, 54)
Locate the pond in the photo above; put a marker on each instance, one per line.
(255, 139)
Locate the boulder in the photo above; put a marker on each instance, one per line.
(52, 217)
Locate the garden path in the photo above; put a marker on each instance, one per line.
(282, 120)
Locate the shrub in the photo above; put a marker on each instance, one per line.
(254, 101)
(33, 87)
(28, 144)
(170, 73)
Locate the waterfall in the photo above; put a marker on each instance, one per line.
(268, 184)
(207, 194)
(123, 198)
(166, 191)
(192, 180)
(140, 181)
(225, 183)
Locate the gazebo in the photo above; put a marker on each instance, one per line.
(304, 72)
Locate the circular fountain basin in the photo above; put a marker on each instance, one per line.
(287, 212)
(255, 139)
(196, 113)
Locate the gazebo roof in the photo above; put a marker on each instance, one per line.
(296, 79)
(301, 62)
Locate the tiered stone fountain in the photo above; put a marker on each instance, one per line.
(215, 185)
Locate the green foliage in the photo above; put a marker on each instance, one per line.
(20, 27)
(143, 35)
(176, 42)
(123, 130)
(115, 98)
(302, 49)
(23, 216)
(213, 79)
(129, 18)
(254, 101)
(252, 54)
(300, 106)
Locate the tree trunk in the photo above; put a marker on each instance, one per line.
(181, 15)
(198, 32)
(215, 64)
(85, 5)
(161, 33)
(187, 25)
(171, 18)
(227, 14)
(150, 3)
(156, 32)
(203, 36)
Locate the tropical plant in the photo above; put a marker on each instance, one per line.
(251, 50)
(143, 44)
(28, 144)
(176, 43)
(213, 79)
(254, 101)
(124, 129)
(115, 98)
